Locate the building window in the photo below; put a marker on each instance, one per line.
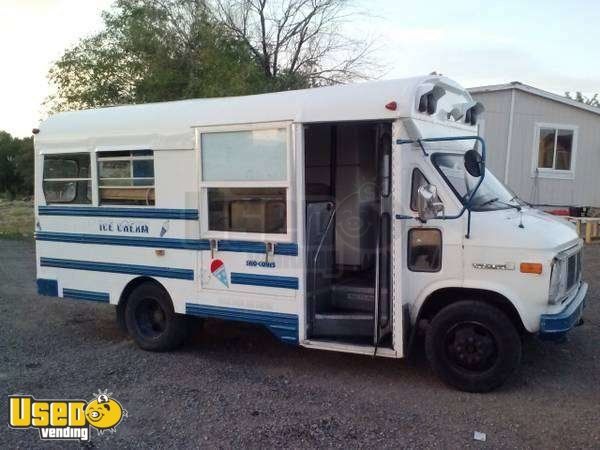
(555, 149)
(245, 180)
(67, 178)
(126, 178)
(424, 250)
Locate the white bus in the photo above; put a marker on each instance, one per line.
(350, 218)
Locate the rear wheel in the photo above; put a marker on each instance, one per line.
(151, 320)
(473, 346)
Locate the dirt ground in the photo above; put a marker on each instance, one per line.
(236, 386)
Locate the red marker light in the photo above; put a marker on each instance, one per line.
(391, 106)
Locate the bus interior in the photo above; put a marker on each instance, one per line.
(348, 232)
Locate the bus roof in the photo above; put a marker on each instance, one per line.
(169, 125)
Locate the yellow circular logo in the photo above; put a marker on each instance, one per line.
(104, 413)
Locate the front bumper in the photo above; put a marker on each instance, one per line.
(556, 326)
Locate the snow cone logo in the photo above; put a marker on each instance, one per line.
(217, 268)
(66, 419)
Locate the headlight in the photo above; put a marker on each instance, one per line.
(558, 281)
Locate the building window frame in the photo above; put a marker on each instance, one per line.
(287, 184)
(546, 172)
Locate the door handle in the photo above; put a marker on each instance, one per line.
(214, 247)
(269, 251)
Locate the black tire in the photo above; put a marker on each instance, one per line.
(151, 320)
(473, 346)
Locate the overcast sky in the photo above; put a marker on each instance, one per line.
(551, 44)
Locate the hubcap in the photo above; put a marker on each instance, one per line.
(150, 318)
(471, 346)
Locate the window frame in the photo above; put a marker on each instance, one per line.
(287, 184)
(96, 174)
(408, 248)
(412, 182)
(545, 172)
(76, 180)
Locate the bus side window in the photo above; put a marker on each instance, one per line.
(67, 178)
(126, 177)
(246, 180)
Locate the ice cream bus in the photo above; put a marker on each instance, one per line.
(354, 218)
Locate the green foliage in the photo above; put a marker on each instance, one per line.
(578, 96)
(154, 51)
(158, 50)
(16, 219)
(16, 165)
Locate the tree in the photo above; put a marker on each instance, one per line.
(16, 165)
(153, 50)
(297, 43)
(579, 97)
(156, 50)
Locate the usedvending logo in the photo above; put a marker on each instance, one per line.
(61, 419)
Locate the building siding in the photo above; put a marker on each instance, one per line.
(583, 190)
(494, 128)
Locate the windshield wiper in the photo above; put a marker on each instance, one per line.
(497, 200)
(518, 200)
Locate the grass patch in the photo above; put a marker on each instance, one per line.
(16, 219)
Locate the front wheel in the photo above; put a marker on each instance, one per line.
(473, 346)
(151, 320)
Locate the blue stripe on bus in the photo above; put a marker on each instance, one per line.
(130, 269)
(281, 248)
(264, 280)
(287, 249)
(78, 294)
(132, 241)
(283, 326)
(100, 211)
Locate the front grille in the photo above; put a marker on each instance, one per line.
(573, 270)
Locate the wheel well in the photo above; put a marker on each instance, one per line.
(125, 296)
(444, 297)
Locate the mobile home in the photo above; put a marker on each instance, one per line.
(348, 218)
(545, 147)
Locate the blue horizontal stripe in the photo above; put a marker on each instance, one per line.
(257, 247)
(99, 211)
(102, 297)
(155, 242)
(164, 272)
(131, 241)
(264, 280)
(283, 326)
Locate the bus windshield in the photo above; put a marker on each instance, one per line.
(491, 195)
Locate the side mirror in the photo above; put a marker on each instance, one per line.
(428, 203)
(473, 163)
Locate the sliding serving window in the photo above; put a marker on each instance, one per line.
(245, 181)
(126, 177)
(67, 179)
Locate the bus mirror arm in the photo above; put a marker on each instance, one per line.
(467, 206)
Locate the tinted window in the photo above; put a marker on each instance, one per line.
(424, 250)
(248, 210)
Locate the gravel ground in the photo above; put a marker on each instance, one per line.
(236, 386)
